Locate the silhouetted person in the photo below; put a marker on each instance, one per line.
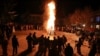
(54, 51)
(35, 41)
(41, 46)
(47, 42)
(4, 47)
(15, 45)
(78, 45)
(45, 47)
(91, 38)
(51, 48)
(68, 50)
(8, 32)
(60, 44)
(29, 41)
(93, 50)
(64, 39)
(92, 34)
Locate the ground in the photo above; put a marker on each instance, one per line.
(21, 35)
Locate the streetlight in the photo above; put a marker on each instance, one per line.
(84, 25)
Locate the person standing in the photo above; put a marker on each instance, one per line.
(93, 49)
(34, 39)
(4, 44)
(78, 45)
(15, 45)
(68, 50)
(29, 41)
(4, 47)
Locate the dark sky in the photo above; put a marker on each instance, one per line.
(63, 6)
(80, 3)
(69, 6)
(36, 6)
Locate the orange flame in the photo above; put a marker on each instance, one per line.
(51, 20)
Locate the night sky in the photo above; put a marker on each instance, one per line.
(36, 6)
(69, 6)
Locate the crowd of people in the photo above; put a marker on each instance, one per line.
(93, 39)
(53, 47)
(5, 36)
(58, 45)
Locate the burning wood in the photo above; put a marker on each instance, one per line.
(51, 18)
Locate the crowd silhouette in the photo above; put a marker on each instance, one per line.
(58, 45)
(5, 34)
(53, 47)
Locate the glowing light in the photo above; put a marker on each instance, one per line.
(97, 26)
(84, 25)
(51, 18)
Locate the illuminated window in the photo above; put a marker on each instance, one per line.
(97, 26)
(98, 19)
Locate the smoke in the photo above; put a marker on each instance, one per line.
(45, 15)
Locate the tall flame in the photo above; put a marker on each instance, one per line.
(51, 18)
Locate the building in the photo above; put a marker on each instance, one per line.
(95, 21)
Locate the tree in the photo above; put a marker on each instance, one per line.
(6, 7)
(81, 16)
